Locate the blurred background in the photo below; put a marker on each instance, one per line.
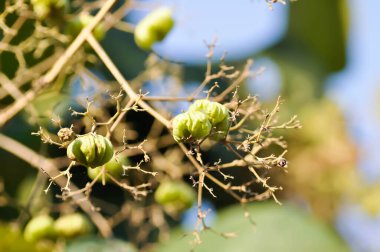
(321, 57)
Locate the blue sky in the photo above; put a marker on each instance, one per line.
(357, 87)
(242, 29)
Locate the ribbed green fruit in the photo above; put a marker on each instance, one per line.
(191, 125)
(90, 150)
(217, 114)
(215, 111)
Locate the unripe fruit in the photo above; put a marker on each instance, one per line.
(190, 126)
(220, 130)
(72, 225)
(217, 114)
(49, 8)
(215, 111)
(114, 167)
(90, 150)
(75, 26)
(174, 196)
(180, 129)
(40, 227)
(153, 28)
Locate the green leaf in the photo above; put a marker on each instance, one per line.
(95, 244)
(320, 28)
(278, 228)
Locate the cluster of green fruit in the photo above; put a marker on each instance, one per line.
(175, 196)
(68, 226)
(94, 151)
(203, 119)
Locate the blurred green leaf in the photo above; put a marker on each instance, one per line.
(95, 244)
(278, 228)
(319, 27)
(12, 241)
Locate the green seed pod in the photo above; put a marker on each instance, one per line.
(199, 126)
(153, 28)
(90, 150)
(114, 167)
(40, 227)
(75, 26)
(174, 196)
(49, 8)
(190, 125)
(220, 130)
(215, 111)
(180, 130)
(72, 225)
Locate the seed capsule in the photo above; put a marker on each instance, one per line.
(90, 150)
(217, 114)
(215, 111)
(190, 126)
(153, 28)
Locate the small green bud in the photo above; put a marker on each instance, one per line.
(190, 125)
(40, 227)
(215, 111)
(153, 28)
(114, 167)
(174, 196)
(72, 225)
(90, 150)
